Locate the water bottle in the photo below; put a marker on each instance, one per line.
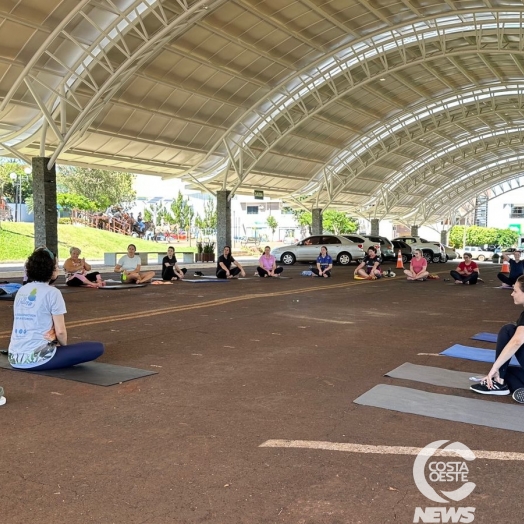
(123, 277)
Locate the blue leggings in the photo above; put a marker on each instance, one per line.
(71, 355)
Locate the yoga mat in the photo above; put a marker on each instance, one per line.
(215, 277)
(122, 286)
(8, 296)
(95, 373)
(431, 375)
(204, 281)
(485, 337)
(445, 407)
(471, 353)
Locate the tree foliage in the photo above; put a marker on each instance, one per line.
(70, 201)
(182, 212)
(8, 186)
(210, 216)
(272, 224)
(338, 222)
(480, 236)
(104, 188)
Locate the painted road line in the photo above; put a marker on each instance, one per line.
(384, 450)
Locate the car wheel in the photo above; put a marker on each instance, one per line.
(404, 259)
(344, 259)
(481, 258)
(428, 256)
(288, 258)
(443, 259)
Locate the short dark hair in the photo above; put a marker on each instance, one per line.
(373, 248)
(466, 254)
(131, 245)
(520, 282)
(40, 266)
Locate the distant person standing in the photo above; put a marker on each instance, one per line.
(516, 268)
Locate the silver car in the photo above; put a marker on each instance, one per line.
(341, 250)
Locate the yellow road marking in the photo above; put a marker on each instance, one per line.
(384, 450)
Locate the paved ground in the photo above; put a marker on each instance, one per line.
(241, 363)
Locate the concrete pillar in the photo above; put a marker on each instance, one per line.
(223, 221)
(316, 222)
(444, 237)
(44, 203)
(375, 222)
(414, 231)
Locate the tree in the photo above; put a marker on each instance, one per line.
(105, 188)
(210, 216)
(303, 218)
(337, 222)
(8, 187)
(70, 201)
(480, 236)
(273, 224)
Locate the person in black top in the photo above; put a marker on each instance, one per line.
(502, 379)
(170, 269)
(225, 261)
(516, 268)
(370, 265)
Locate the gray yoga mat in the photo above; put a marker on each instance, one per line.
(431, 375)
(96, 373)
(122, 286)
(8, 296)
(445, 407)
(207, 281)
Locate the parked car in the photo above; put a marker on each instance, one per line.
(405, 250)
(363, 242)
(386, 247)
(430, 250)
(450, 253)
(341, 250)
(477, 253)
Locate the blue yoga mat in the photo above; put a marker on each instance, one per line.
(485, 337)
(478, 354)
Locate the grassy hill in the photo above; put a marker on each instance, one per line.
(17, 242)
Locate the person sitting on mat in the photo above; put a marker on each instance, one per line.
(39, 337)
(370, 266)
(267, 265)
(418, 267)
(324, 264)
(516, 268)
(467, 271)
(225, 261)
(502, 378)
(77, 271)
(129, 267)
(170, 269)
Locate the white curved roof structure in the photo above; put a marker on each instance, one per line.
(388, 108)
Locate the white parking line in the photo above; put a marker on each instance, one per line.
(384, 450)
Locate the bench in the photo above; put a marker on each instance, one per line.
(111, 259)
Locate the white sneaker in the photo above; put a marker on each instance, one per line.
(3, 400)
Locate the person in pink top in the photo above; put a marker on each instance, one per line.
(267, 265)
(467, 271)
(418, 267)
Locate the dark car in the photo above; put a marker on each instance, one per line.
(405, 250)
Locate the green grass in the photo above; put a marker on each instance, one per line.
(17, 242)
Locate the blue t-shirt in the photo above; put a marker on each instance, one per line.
(324, 261)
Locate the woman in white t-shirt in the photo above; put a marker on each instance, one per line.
(129, 267)
(39, 337)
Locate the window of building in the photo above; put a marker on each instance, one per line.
(517, 211)
(252, 210)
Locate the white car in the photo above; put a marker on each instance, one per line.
(431, 251)
(341, 250)
(477, 253)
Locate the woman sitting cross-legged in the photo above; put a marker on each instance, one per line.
(129, 267)
(370, 266)
(504, 379)
(227, 266)
(77, 271)
(39, 337)
(418, 267)
(267, 265)
(170, 269)
(324, 264)
(467, 271)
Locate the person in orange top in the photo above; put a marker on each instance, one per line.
(467, 271)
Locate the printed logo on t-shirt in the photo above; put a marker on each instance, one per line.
(28, 301)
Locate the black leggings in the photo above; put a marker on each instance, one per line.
(512, 375)
(505, 279)
(263, 273)
(77, 282)
(233, 272)
(316, 272)
(472, 279)
(168, 272)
